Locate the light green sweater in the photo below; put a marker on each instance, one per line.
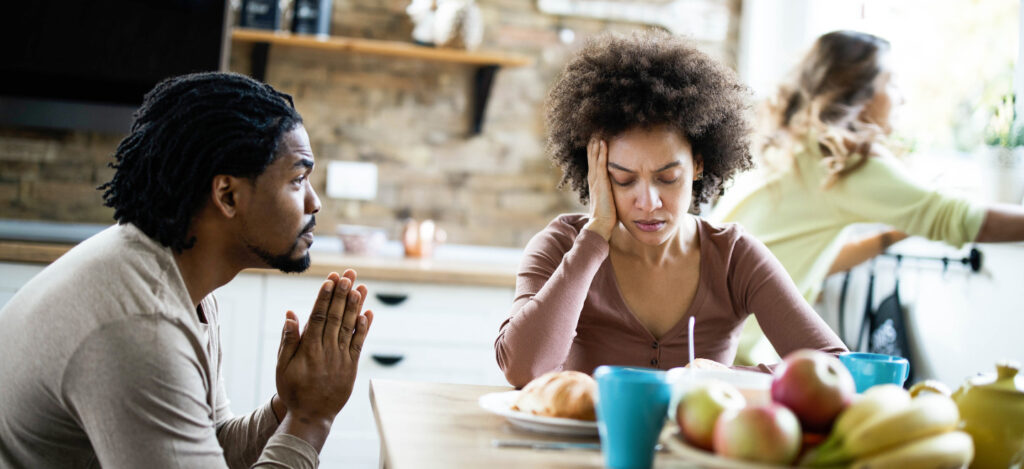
(802, 222)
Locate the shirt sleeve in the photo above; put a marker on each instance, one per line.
(138, 387)
(761, 286)
(243, 438)
(883, 191)
(551, 288)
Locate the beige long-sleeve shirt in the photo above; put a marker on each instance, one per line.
(105, 363)
(569, 313)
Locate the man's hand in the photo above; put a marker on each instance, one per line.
(603, 218)
(316, 371)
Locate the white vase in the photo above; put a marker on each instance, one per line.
(1003, 174)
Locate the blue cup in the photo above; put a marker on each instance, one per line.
(869, 369)
(631, 407)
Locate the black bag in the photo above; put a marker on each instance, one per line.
(884, 328)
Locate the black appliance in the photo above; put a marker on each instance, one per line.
(86, 65)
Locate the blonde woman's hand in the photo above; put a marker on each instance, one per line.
(602, 202)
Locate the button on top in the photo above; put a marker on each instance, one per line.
(654, 344)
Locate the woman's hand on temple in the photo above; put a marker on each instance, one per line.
(603, 217)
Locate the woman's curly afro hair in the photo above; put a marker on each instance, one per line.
(616, 83)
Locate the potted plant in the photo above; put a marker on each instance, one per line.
(1004, 152)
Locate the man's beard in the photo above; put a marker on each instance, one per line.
(283, 262)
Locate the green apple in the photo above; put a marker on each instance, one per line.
(700, 407)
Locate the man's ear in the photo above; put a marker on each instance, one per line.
(225, 194)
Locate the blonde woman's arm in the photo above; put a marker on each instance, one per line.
(856, 252)
(1003, 222)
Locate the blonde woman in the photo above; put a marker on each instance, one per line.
(826, 164)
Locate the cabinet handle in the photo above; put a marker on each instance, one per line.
(392, 299)
(387, 359)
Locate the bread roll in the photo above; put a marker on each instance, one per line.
(567, 394)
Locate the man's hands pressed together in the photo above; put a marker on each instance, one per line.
(316, 371)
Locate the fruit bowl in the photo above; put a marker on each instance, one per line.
(674, 443)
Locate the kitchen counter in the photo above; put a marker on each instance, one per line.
(43, 242)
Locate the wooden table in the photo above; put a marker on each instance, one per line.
(431, 425)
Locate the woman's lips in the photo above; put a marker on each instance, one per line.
(649, 225)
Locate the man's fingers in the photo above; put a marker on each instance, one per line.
(318, 317)
(362, 327)
(335, 311)
(348, 323)
(289, 340)
(350, 275)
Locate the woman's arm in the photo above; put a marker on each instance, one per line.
(1003, 222)
(761, 286)
(855, 252)
(551, 288)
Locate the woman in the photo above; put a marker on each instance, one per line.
(826, 165)
(645, 128)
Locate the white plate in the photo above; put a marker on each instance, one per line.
(501, 403)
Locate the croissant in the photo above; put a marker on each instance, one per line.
(566, 394)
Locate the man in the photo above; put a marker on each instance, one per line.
(111, 354)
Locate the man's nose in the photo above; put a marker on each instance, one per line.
(312, 201)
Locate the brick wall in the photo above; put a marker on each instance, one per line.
(410, 117)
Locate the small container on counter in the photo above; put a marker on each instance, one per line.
(360, 240)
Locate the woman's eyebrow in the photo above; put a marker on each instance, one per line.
(668, 166)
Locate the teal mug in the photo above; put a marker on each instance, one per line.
(632, 404)
(869, 369)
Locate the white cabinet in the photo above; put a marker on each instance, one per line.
(423, 332)
(240, 304)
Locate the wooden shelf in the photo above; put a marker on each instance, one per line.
(486, 63)
(378, 47)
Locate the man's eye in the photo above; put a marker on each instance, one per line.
(299, 180)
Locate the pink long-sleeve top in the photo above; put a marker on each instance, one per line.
(569, 314)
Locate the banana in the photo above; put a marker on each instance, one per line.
(926, 415)
(877, 400)
(953, 449)
(923, 416)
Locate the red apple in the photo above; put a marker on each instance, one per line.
(699, 409)
(815, 386)
(768, 433)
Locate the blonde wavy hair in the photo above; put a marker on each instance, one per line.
(820, 104)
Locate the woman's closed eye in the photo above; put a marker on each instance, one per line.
(629, 182)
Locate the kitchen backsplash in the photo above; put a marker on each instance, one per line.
(408, 116)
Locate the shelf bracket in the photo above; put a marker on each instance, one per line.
(258, 60)
(482, 82)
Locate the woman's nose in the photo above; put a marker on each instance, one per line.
(649, 199)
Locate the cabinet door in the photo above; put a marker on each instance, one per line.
(240, 303)
(12, 276)
(431, 332)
